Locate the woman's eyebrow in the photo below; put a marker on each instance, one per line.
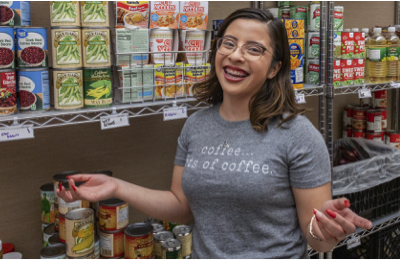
(252, 42)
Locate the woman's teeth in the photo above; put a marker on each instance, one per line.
(236, 73)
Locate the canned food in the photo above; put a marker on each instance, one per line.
(34, 92)
(66, 46)
(338, 18)
(387, 136)
(348, 115)
(394, 139)
(64, 207)
(299, 12)
(314, 17)
(336, 73)
(384, 119)
(374, 120)
(65, 13)
(285, 3)
(32, 47)
(358, 133)
(94, 14)
(47, 233)
(111, 243)
(312, 73)
(61, 226)
(98, 88)
(366, 102)
(169, 226)
(375, 136)
(358, 70)
(56, 215)
(96, 247)
(150, 220)
(68, 89)
(79, 232)
(8, 92)
(347, 132)
(347, 45)
(158, 227)
(96, 47)
(184, 234)
(15, 13)
(44, 225)
(53, 252)
(7, 47)
(313, 45)
(55, 240)
(337, 45)
(171, 249)
(59, 178)
(47, 201)
(379, 99)
(159, 238)
(139, 241)
(359, 118)
(113, 214)
(347, 72)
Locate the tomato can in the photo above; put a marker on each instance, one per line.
(47, 201)
(61, 225)
(359, 121)
(359, 133)
(139, 241)
(54, 240)
(47, 233)
(33, 89)
(184, 234)
(111, 243)
(157, 227)
(380, 99)
(32, 47)
(374, 120)
(79, 232)
(387, 136)
(113, 214)
(347, 132)
(336, 73)
(347, 115)
(366, 102)
(347, 72)
(375, 136)
(150, 220)
(384, 119)
(347, 45)
(359, 67)
(53, 252)
(160, 238)
(8, 92)
(171, 249)
(7, 48)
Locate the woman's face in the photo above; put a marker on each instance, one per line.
(240, 77)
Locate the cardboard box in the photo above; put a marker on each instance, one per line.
(132, 14)
(164, 14)
(296, 47)
(193, 15)
(294, 28)
(169, 81)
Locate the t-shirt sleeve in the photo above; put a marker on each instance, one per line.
(308, 157)
(183, 144)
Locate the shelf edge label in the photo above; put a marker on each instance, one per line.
(300, 99)
(16, 133)
(114, 121)
(175, 113)
(353, 242)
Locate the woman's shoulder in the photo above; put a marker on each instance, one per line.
(201, 115)
(299, 126)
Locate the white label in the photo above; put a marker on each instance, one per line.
(175, 113)
(374, 54)
(16, 133)
(300, 99)
(114, 121)
(122, 216)
(395, 85)
(106, 244)
(364, 93)
(299, 74)
(354, 242)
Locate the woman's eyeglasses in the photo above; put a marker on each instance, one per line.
(251, 51)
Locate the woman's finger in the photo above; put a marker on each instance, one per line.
(334, 229)
(341, 203)
(73, 189)
(321, 232)
(361, 222)
(81, 177)
(347, 226)
(63, 194)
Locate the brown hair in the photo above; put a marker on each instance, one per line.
(276, 96)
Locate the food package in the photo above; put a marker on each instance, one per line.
(185, 44)
(164, 40)
(127, 41)
(169, 81)
(296, 48)
(193, 15)
(294, 28)
(194, 75)
(164, 14)
(132, 14)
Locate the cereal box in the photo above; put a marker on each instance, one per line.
(164, 14)
(294, 28)
(194, 75)
(132, 14)
(296, 48)
(193, 15)
(169, 81)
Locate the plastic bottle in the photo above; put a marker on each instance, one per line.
(366, 31)
(377, 57)
(392, 55)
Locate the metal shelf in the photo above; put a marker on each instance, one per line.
(311, 90)
(354, 89)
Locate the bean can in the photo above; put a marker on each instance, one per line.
(347, 132)
(336, 73)
(53, 252)
(347, 115)
(171, 249)
(34, 92)
(68, 89)
(158, 227)
(347, 72)
(313, 45)
(15, 13)
(66, 46)
(139, 241)
(184, 234)
(96, 47)
(314, 17)
(379, 99)
(358, 70)
(32, 47)
(337, 45)
(338, 18)
(113, 214)
(374, 121)
(65, 13)
(359, 121)
(347, 51)
(54, 240)
(111, 243)
(95, 14)
(359, 133)
(299, 12)
(47, 233)
(47, 203)
(7, 47)
(312, 72)
(97, 87)
(79, 227)
(8, 92)
(160, 238)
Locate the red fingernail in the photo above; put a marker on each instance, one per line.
(68, 177)
(330, 213)
(60, 186)
(73, 187)
(347, 203)
(315, 214)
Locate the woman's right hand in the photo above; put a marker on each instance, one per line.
(96, 187)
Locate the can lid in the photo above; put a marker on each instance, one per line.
(171, 245)
(163, 236)
(138, 229)
(157, 227)
(8, 247)
(106, 172)
(63, 175)
(50, 229)
(78, 214)
(47, 187)
(182, 230)
(112, 202)
(53, 251)
(65, 183)
(54, 239)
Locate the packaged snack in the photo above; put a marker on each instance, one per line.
(193, 15)
(168, 81)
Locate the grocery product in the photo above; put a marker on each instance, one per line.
(138, 241)
(359, 121)
(194, 41)
(157, 227)
(47, 202)
(299, 12)
(131, 41)
(65, 13)
(94, 14)
(164, 14)
(347, 132)
(358, 70)
(111, 243)
(33, 88)
(366, 102)
(113, 214)
(377, 65)
(313, 45)
(313, 18)
(47, 233)
(8, 92)
(161, 40)
(294, 28)
(337, 45)
(367, 37)
(54, 239)
(284, 12)
(132, 14)
(32, 47)
(359, 44)
(171, 249)
(56, 215)
(68, 89)
(337, 69)
(184, 234)
(159, 238)
(384, 119)
(347, 72)
(193, 15)
(375, 136)
(374, 120)
(61, 224)
(358, 133)
(97, 87)
(338, 18)
(7, 47)
(53, 252)
(347, 48)
(285, 3)
(348, 115)
(194, 75)
(392, 55)
(66, 47)
(296, 48)
(15, 13)
(312, 72)
(169, 81)
(96, 47)
(394, 139)
(379, 99)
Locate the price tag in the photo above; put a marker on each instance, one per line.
(175, 113)
(114, 121)
(353, 242)
(300, 98)
(395, 85)
(364, 93)
(16, 133)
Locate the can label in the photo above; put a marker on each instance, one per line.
(79, 237)
(347, 45)
(374, 121)
(94, 13)
(314, 18)
(68, 89)
(171, 255)
(347, 118)
(62, 233)
(15, 13)
(299, 12)
(8, 93)
(139, 247)
(375, 137)
(7, 47)
(67, 48)
(64, 207)
(312, 76)
(96, 47)
(347, 132)
(313, 45)
(359, 65)
(47, 201)
(359, 114)
(113, 217)
(384, 119)
(32, 47)
(34, 93)
(359, 124)
(285, 13)
(380, 99)
(359, 45)
(359, 134)
(347, 72)
(112, 244)
(338, 19)
(336, 73)
(186, 244)
(337, 45)
(64, 13)
(97, 84)
(394, 140)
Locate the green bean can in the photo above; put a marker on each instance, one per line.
(337, 45)
(299, 12)
(96, 47)
(65, 13)
(67, 48)
(97, 87)
(95, 14)
(171, 249)
(68, 89)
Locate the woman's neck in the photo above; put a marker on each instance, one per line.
(234, 109)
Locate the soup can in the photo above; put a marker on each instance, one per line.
(47, 233)
(159, 238)
(53, 252)
(150, 220)
(158, 227)
(79, 227)
(65, 13)
(8, 92)
(55, 240)
(111, 243)
(66, 47)
(384, 119)
(34, 91)
(94, 14)
(194, 42)
(171, 249)
(312, 72)
(313, 45)
(394, 139)
(338, 18)
(375, 136)
(64, 207)
(61, 226)
(379, 99)
(96, 47)
(359, 118)
(347, 132)
(113, 214)
(68, 88)
(374, 120)
(7, 47)
(15, 13)
(32, 47)
(139, 241)
(97, 87)
(347, 115)
(387, 136)
(47, 201)
(314, 17)
(359, 133)
(284, 12)
(184, 234)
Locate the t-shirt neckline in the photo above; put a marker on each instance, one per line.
(229, 124)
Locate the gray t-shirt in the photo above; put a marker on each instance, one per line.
(241, 196)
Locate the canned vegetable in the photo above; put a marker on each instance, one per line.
(34, 92)
(113, 214)
(139, 241)
(68, 89)
(47, 201)
(32, 47)
(171, 249)
(66, 46)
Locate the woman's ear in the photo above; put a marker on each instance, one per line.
(274, 70)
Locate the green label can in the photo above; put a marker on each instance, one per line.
(97, 87)
(68, 89)
(171, 249)
(299, 12)
(313, 45)
(312, 72)
(314, 17)
(285, 3)
(338, 18)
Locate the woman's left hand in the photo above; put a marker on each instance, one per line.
(335, 220)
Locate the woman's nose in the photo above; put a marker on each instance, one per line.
(237, 55)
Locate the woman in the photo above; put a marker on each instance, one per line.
(251, 171)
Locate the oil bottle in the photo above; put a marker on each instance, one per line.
(377, 65)
(366, 31)
(392, 55)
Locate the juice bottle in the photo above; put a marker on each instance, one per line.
(377, 57)
(366, 31)
(392, 55)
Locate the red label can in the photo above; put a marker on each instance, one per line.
(8, 92)
(374, 136)
(285, 13)
(347, 132)
(366, 102)
(359, 65)
(374, 120)
(380, 99)
(336, 73)
(358, 133)
(394, 140)
(347, 115)
(384, 119)
(359, 121)
(347, 49)
(359, 45)
(347, 72)
(387, 136)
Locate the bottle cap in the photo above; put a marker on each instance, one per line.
(346, 30)
(366, 30)
(391, 29)
(354, 29)
(377, 30)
